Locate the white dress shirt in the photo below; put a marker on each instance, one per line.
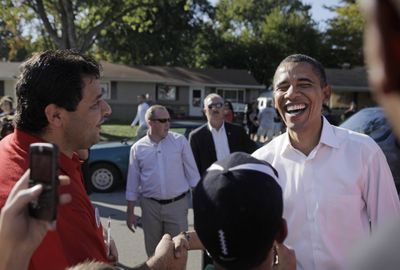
(161, 170)
(220, 141)
(141, 112)
(331, 195)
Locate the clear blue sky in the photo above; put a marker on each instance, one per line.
(319, 13)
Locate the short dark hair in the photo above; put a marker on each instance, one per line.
(51, 77)
(302, 58)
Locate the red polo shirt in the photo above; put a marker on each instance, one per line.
(77, 237)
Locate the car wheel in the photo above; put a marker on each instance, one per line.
(103, 177)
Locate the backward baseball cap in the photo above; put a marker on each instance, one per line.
(238, 210)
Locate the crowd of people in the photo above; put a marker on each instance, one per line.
(300, 202)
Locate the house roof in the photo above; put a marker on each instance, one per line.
(354, 80)
(164, 75)
(181, 76)
(340, 79)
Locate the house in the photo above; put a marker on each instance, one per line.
(182, 90)
(8, 77)
(349, 85)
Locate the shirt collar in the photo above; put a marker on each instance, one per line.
(150, 141)
(25, 139)
(210, 128)
(328, 137)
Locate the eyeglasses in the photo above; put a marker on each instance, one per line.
(215, 105)
(162, 120)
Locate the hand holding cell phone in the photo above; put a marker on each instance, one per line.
(43, 164)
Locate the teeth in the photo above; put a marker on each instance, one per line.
(295, 107)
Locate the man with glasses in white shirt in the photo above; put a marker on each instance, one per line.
(161, 172)
(337, 185)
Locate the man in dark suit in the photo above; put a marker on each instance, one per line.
(217, 139)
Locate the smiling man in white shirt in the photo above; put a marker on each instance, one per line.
(161, 172)
(337, 185)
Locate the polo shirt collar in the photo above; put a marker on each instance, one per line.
(65, 163)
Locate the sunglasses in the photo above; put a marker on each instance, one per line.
(162, 120)
(215, 105)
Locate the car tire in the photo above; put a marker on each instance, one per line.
(103, 177)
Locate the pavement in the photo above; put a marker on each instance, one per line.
(130, 245)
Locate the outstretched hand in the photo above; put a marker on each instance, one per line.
(19, 232)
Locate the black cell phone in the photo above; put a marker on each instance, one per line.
(43, 164)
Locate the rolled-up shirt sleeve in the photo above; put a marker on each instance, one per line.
(133, 181)
(189, 164)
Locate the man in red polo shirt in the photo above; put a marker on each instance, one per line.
(59, 101)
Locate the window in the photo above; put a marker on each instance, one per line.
(196, 100)
(106, 90)
(167, 92)
(233, 95)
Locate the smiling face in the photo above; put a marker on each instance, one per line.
(82, 126)
(299, 96)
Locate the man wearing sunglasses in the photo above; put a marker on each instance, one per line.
(161, 172)
(216, 139)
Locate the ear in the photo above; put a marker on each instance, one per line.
(326, 91)
(54, 115)
(149, 123)
(282, 233)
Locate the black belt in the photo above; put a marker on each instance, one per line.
(177, 198)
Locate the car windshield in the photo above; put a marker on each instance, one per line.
(369, 121)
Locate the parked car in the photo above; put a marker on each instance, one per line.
(108, 162)
(372, 121)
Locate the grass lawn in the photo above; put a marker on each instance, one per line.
(117, 132)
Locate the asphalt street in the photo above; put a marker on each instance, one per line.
(130, 245)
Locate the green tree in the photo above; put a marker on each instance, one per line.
(170, 36)
(71, 23)
(256, 35)
(344, 36)
(13, 46)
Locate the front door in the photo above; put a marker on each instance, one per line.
(196, 97)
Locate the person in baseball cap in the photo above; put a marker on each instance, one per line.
(238, 214)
